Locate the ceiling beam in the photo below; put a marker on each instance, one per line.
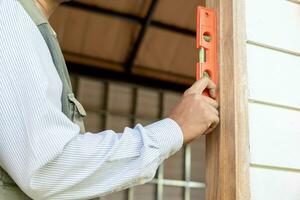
(138, 42)
(130, 17)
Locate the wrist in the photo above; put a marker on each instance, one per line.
(181, 126)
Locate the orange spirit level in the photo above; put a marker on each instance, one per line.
(207, 44)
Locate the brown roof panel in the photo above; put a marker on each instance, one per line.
(109, 38)
(168, 51)
(135, 7)
(94, 34)
(94, 38)
(181, 13)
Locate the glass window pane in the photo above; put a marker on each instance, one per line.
(174, 166)
(144, 122)
(173, 193)
(91, 93)
(197, 194)
(147, 103)
(120, 98)
(116, 123)
(118, 116)
(122, 195)
(145, 192)
(170, 101)
(198, 160)
(93, 122)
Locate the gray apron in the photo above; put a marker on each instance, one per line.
(70, 106)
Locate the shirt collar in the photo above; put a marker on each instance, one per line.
(36, 14)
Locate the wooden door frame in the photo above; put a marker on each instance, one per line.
(227, 151)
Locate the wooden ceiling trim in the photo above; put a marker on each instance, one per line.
(90, 61)
(165, 76)
(142, 71)
(168, 25)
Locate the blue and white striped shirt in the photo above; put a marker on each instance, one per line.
(41, 148)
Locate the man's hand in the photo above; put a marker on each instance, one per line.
(197, 114)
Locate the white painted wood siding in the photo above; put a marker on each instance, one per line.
(272, 184)
(273, 63)
(275, 23)
(274, 136)
(273, 76)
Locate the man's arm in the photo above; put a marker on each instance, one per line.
(98, 164)
(42, 149)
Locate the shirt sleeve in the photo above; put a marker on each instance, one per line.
(42, 149)
(98, 164)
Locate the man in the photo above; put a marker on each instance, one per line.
(41, 145)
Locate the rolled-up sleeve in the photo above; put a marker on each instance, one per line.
(42, 149)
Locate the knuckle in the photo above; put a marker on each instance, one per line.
(216, 121)
(204, 78)
(204, 108)
(196, 97)
(207, 113)
(187, 92)
(215, 102)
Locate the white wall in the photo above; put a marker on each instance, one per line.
(273, 62)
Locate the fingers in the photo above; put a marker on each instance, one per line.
(213, 125)
(214, 119)
(202, 84)
(211, 101)
(208, 131)
(215, 122)
(213, 110)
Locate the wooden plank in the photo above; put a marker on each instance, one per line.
(227, 159)
(278, 27)
(274, 136)
(273, 76)
(274, 184)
